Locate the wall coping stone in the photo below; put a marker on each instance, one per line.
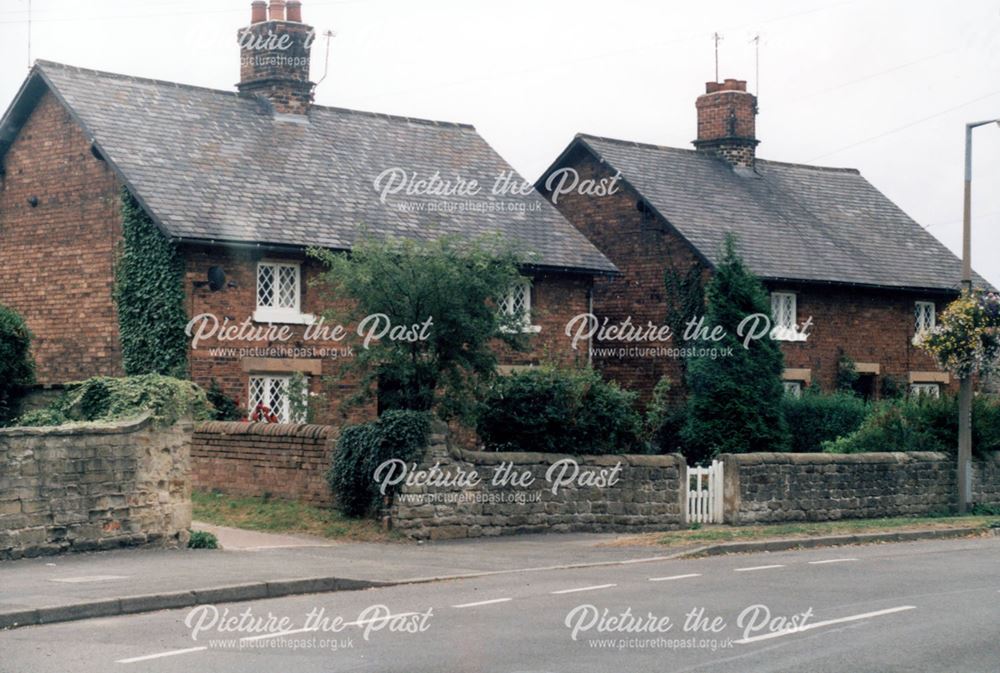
(124, 426)
(266, 429)
(833, 458)
(529, 457)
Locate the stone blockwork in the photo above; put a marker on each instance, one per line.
(647, 494)
(82, 488)
(773, 487)
(284, 460)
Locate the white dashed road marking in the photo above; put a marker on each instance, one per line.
(674, 577)
(489, 602)
(832, 560)
(746, 570)
(593, 588)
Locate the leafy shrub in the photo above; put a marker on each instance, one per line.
(17, 369)
(202, 540)
(664, 421)
(109, 399)
(226, 408)
(814, 418)
(559, 411)
(399, 434)
(922, 424)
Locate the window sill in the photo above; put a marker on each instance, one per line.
(527, 329)
(785, 334)
(283, 317)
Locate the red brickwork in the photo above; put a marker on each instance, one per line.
(58, 256)
(255, 459)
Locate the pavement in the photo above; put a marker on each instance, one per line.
(914, 607)
(256, 565)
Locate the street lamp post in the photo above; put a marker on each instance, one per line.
(965, 390)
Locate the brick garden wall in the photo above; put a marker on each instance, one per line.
(57, 258)
(93, 487)
(649, 494)
(284, 460)
(776, 487)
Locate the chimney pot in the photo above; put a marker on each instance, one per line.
(258, 11)
(294, 11)
(276, 11)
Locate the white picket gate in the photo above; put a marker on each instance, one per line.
(704, 501)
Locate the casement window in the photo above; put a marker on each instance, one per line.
(517, 304)
(925, 318)
(793, 388)
(268, 394)
(784, 314)
(279, 293)
(925, 389)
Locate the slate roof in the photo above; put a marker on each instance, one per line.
(209, 165)
(793, 222)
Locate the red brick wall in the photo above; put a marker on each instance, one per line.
(254, 459)
(556, 299)
(642, 249)
(57, 259)
(870, 326)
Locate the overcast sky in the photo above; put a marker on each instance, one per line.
(882, 86)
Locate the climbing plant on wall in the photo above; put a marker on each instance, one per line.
(149, 294)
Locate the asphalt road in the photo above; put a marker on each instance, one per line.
(926, 606)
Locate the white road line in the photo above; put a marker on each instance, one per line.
(593, 588)
(89, 578)
(673, 577)
(829, 622)
(489, 602)
(160, 655)
(831, 560)
(746, 570)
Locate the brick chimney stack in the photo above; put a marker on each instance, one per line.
(274, 56)
(726, 122)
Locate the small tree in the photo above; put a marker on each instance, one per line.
(17, 369)
(456, 286)
(735, 400)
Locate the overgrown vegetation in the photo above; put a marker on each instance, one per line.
(110, 399)
(17, 368)
(735, 401)
(275, 515)
(202, 540)
(454, 290)
(398, 434)
(815, 418)
(922, 423)
(226, 408)
(559, 411)
(149, 295)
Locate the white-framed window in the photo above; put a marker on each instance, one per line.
(271, 391)
(925, 389)
(517, 304)
(793, 388)
(924, 318)
(279, 293)
(784, 312)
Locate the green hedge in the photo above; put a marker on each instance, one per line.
(559, 411)
(815, 418)
(362, 448)
(923, 424)
(17, 369)
(110, 399)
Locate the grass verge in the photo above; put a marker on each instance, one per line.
(709, 534)
(284, 516)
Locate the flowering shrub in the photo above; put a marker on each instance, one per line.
(966, 340)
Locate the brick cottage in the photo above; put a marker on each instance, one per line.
(826, 243)
(242, 183)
